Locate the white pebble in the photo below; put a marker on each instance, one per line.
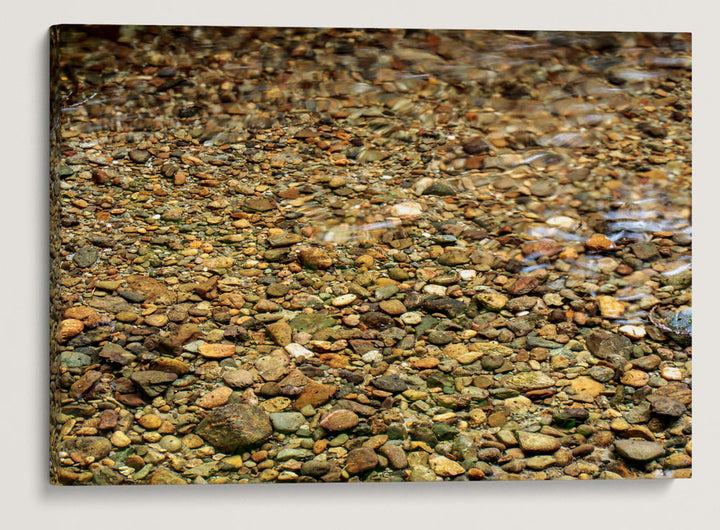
(633, 332)
(671, 373)
(467, 274)
(343, 300)
(563, 222)
(411, 318)
(372, 356)
(431, 288)
(296, 350)
(406, 210)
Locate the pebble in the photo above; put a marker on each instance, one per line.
(537, 443)
(297, 350)
(340, 420)
(280, 332)
(444, 467)
(314, 258)
(599, 242)
(215, 398)
(344, 300)
(120, 439)
(216, 351)
(287, 422)
(610, 307)
(634, 332)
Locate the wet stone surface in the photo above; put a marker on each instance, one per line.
(318, 255)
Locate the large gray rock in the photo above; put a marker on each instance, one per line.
(232, 428)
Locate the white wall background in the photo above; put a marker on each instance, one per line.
(27, 501)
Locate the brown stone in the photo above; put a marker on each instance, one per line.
(361, 460)
(599, 242)
(340, 420)
(216, 351)
(155, 291)
(587, 385)
(215, 398)
(315, 394)
(84, 384)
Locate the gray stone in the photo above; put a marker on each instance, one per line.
(390, 383)
(287, 422)
(86, 256)
(296, 453)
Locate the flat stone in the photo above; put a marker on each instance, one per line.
(604, 344)
(215, 398)
(155, 291)
(492, 300)
(390, 383)
(296, 350)
(340, 420)
(537, 443)
(312, 322)
(238, 378)
(315, 394)
(273, 367)
(259, 204)
(610, 307)
(587, 385)
(344, 300)
(284, 239)
(395, 454)
(525, 381)
(393, 307)
(164, 476)
(454, 256)
(668, 406)
(635, 378)
(315, 258)
(541, 247)
(639, 450)
(287, 422)
(216, 351)
(599, 242)
(444, 467)
(540, 462)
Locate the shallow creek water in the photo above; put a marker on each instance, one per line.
(430, 194)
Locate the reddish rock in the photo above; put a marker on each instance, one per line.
(599, 242)
(315, 394)
(541, 247)
(523, 286)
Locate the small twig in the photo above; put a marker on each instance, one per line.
(681, 332)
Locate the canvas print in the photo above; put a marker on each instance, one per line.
(305, 255)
